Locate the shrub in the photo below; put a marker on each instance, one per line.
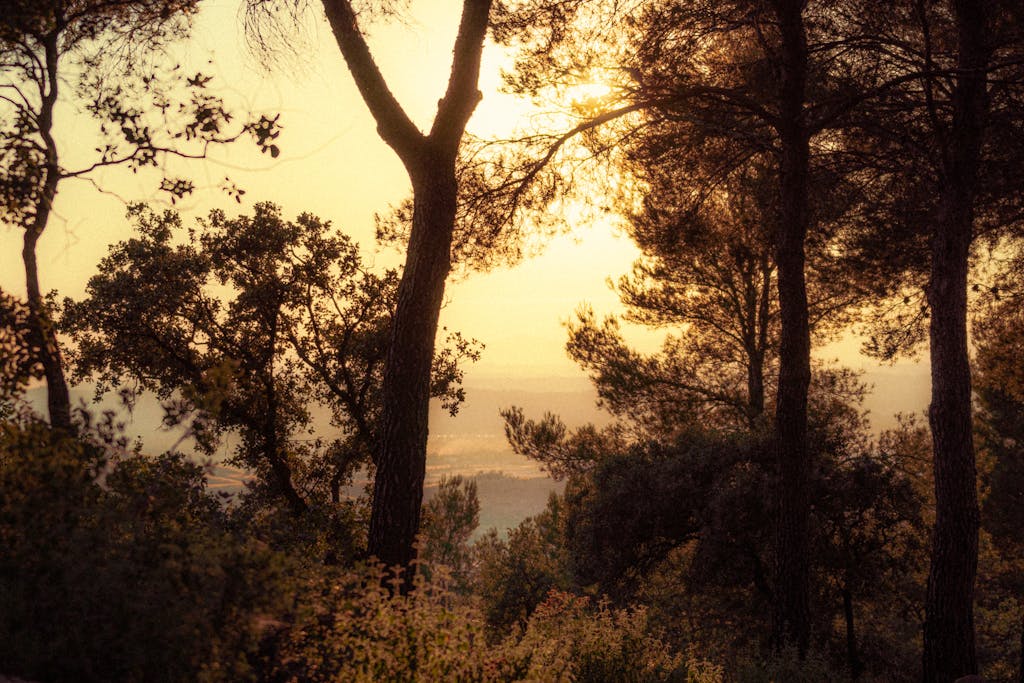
(131, 579)
(349, 627)
(568, 638)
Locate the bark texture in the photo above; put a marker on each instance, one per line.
(852, 653)
(949, 642)
(401, 463)
(791, 623)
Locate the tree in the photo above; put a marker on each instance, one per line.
(999, 389)
(145, 113)
(949, 639)
(429, 160)
(449, 520)
(240, 325)
(722, 84)
(942, 142)
(678, 523)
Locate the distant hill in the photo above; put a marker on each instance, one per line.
(506, 501)
(473, 443)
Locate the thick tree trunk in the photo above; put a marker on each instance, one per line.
(949, 649)
(852, 654)
(430, 161)
(791, 625)
(401, 464)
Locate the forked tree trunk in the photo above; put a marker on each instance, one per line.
(792, 622)
(430, 161)
(949, 648)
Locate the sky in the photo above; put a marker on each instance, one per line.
(334, 165)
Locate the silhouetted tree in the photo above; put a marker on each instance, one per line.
(145, 112)
(429, 160)
(240, 327)
(999, 388)
(949, 639)
(712, 87)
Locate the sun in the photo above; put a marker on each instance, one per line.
(588, 96)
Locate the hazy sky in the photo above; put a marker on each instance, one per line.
(334, 165)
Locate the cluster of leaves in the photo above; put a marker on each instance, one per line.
(18, 364)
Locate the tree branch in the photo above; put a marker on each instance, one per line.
(393, 125)
(462, 96)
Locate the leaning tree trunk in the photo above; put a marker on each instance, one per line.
(401, 464)
(44, 339)
(792, 622)
(41, 329)
(949, 649)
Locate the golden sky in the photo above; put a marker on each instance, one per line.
(333, 164)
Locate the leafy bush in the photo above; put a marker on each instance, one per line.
(568, 638)
(119, 568)
(348, 626)
(513, 576)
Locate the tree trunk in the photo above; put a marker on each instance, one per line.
(401, 465)
(44, 339)
(1020, 673)
(949, 649)
(430, 162)
(791, 624)
(852, 655)
(755, 387)
(43, 334)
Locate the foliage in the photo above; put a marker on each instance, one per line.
(242, 325)
(449, 520)
(569, 638)
(514, 575)
(118, 566)
(999, 393)
(683, 526)
(349, 626)
(146, 109)
(18, 364)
